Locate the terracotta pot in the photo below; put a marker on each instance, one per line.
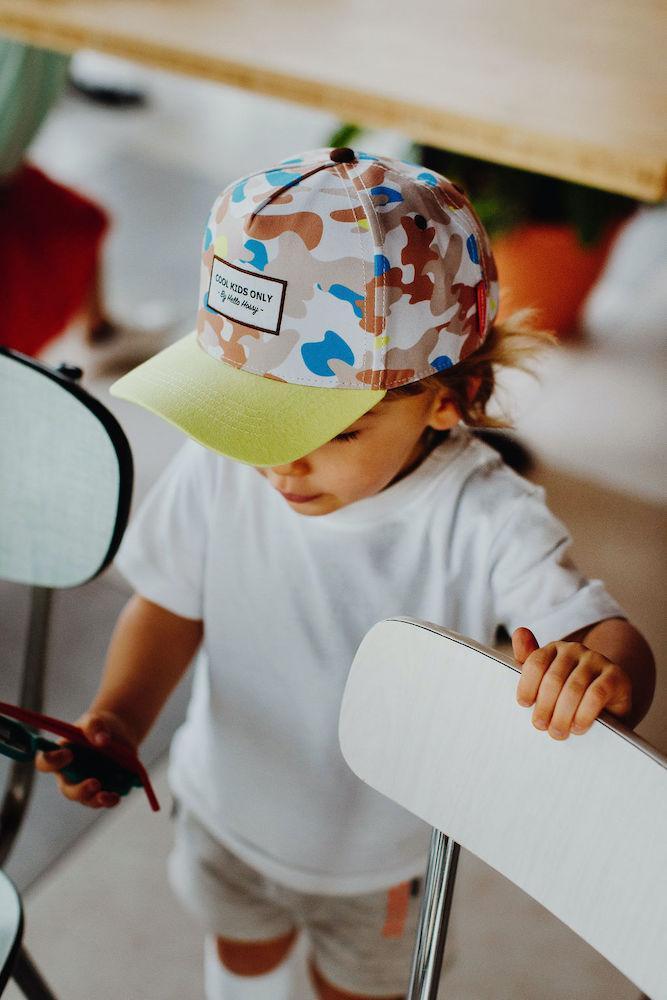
(546, 267)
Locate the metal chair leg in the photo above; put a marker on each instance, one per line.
(28, 978)
(17, 793)
(433, 918)
(21, 776)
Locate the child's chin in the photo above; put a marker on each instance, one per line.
(315, 508)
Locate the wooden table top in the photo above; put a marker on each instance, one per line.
(576, 90)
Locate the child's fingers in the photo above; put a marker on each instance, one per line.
(611, 690)
(104, 729)
(53, 760)
(532, 672)
(84, 792)
(523, 644)
(107, 800)
(569, 686)
(569, 700)
(96, 730)
(553, 681)
(88, 793)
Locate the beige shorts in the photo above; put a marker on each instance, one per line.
(362, 944)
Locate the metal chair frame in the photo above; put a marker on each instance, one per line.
(436, 907)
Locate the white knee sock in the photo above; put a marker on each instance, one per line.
(221, 984)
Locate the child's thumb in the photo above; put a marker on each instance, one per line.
(95, 728)
(103, 729)
(523, 644)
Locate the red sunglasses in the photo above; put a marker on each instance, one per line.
(115, 762)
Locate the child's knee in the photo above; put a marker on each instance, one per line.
(254, 958)
(327, 991)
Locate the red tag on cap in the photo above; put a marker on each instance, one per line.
(481, 308)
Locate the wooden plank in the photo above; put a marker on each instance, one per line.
(569, 89)
(430, 720)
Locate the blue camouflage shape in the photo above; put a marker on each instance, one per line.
(348, 295)
(391, 194)
(473, 251)
(318, 355)
(260, 257)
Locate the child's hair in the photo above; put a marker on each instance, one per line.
(513, 343)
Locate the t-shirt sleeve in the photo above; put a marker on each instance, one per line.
(162, 554)
(534, 581)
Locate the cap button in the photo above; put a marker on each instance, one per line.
(342, 154)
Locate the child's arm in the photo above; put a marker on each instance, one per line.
(149, 652)
(608, 666)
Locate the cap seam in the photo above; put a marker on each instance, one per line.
(258, 173)
(300, 380)
(454, 221)
(361, 387)
(232, 184)
(245, 179)
(377, 362)
(436, 195)
(346, 180)
(305, 162)
(442, 205)
(275, 195)
(344, 177)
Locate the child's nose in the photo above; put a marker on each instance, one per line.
(299, 467)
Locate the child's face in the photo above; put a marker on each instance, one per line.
(365, 458)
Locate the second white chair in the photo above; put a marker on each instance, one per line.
(430, 719)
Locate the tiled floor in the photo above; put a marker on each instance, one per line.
(595, 418)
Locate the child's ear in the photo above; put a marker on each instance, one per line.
(444, 412)
(474, 383)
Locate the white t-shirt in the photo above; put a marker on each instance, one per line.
(286, 599)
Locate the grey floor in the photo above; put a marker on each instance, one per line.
(100, 919)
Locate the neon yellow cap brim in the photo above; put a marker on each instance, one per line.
(252, 418)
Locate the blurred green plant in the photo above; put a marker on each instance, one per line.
(507, 197)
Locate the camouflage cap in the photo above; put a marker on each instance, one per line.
(325, 281)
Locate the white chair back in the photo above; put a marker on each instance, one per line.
(65, 477)
(430, 719)
(65, 490)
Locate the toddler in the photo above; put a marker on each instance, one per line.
(346, 341)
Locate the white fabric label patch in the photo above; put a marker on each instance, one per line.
(246, 297)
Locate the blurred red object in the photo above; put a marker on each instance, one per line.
(546, 267)
(50, 241)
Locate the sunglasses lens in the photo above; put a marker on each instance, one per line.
(14, 739)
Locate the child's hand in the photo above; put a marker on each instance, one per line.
(101, 728)
(568, 683)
